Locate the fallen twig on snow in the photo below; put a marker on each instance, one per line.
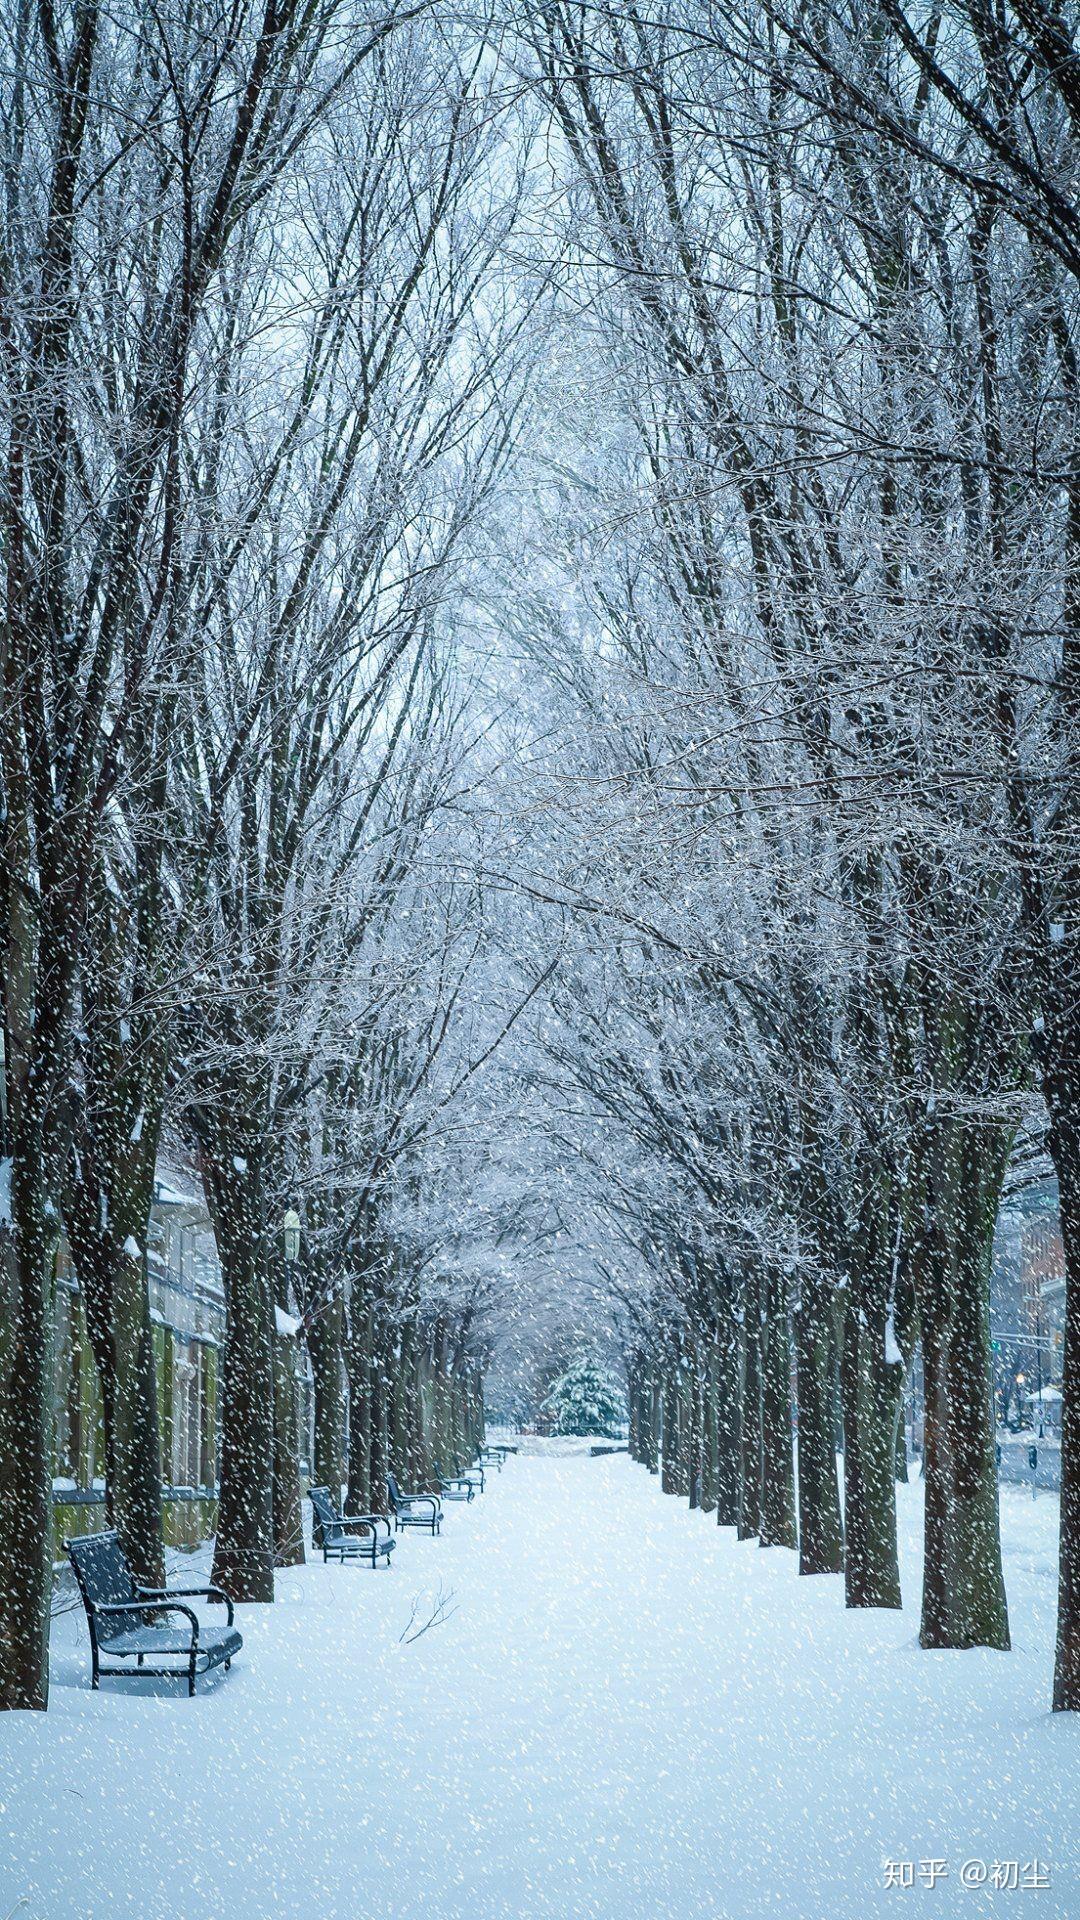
(440, 1611)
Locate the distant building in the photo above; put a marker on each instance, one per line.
(1027, 1305)
(187, 1311)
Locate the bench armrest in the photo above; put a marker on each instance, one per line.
(372, 1520)
(147, 1607)
(187, 1593)
(417, 1499)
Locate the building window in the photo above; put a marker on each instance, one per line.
(193, 1438)
(67, 1394)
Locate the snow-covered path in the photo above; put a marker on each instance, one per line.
(627, 1715)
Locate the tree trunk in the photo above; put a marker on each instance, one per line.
(324, 1344)
(748, 1521)
(669, 1435)
(476, 1414)
(821, 1532)
(442, 1442)
(106, 1218)
(244, 1548)
(655, 1422)
(358, 1362)
(694, 1397)
(288, 1510)
(27, 1251)
(729, 1389)
(633, 1404)
(778, 1466)
(684, 1430)
(1061, 1085)
(871, 1397)
(398, 1412)
(417, 1458)
(379, 1420)
(964, 1601)
(901, 1448)
(879, 1296)
(709, 1434)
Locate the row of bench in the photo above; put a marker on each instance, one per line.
(356, 1536)
(145, 1625)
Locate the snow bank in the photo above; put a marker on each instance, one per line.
(629, 1716)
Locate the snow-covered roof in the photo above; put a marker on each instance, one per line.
(166, 1194)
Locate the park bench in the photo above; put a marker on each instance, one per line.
(127, 1623)
(474, 1474)
(338, 1539)
(414, 1509)
(454, 1486)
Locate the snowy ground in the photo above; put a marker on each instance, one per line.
(628, 1715)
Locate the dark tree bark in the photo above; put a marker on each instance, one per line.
(1066, 1153)
(963, 1587)
(669, 1432)
(325, 1330)
(107, 1213)
(655, 1423)
(729, 1413)
(287, 1509)
(748, 1522)
(821, 1530)
(244, 1546)
(378, 1426)
(871, 1409)
(28, 1253)
(710, 1441)
(778, 1528)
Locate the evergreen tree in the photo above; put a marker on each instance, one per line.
(587, 1399)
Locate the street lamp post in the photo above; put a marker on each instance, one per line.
(1038, 1351)
(290, 1234)
(288, 1519)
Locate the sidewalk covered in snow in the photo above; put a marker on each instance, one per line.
(622, 1712)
